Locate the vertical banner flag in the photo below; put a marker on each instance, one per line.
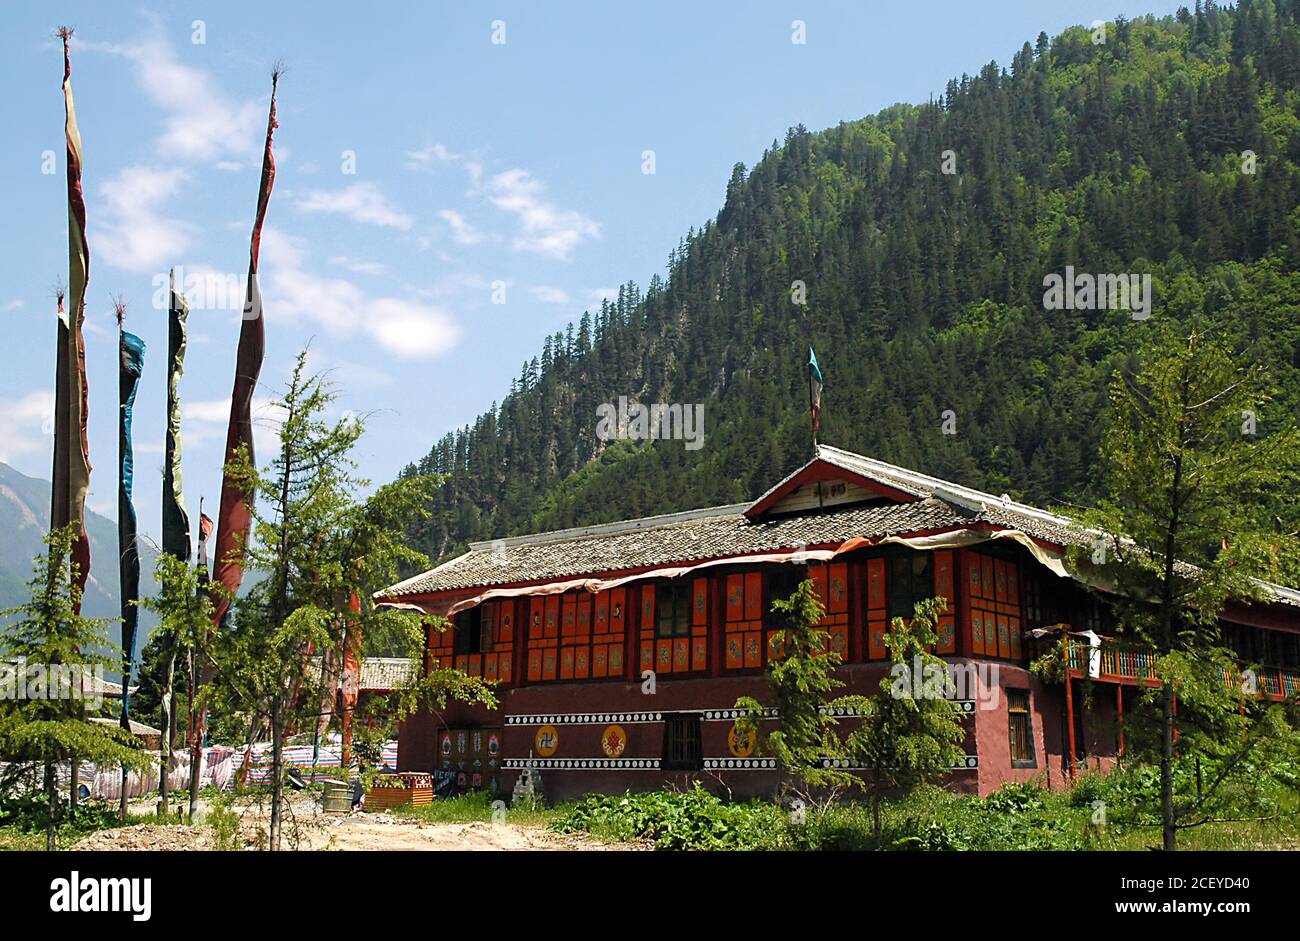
(131, 363)
(71, 477)
(814, 392)
(233, 517)
(175, 518)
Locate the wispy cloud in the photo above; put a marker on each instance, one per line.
(206, 420)
(360, 267)
(360, 202)
(15, 304)
(544, 227)
(26, 423)
(133, 230)
(549, 295)
(200, 122)
(461, 230)
(404, 327)
(427, 158)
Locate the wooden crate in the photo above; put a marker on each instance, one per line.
(415, 789)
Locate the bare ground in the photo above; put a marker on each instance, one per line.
(306, 828)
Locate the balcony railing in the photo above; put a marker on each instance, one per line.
(1117, 662)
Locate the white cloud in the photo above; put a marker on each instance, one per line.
(360, 267)
(26, 424)
(15, 304)
(206, 421)
(200, 121)
(132, 231)
(402, 326)
(360, 202)
(423, 159)
(549, 295)
(544, 228)
(461, 230)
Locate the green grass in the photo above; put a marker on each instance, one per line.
(475, 807)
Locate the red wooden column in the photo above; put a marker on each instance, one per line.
(1119, 711)
(1069, 710)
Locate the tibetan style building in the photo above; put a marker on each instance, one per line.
(571, 623)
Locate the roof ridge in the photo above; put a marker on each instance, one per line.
(636, 524)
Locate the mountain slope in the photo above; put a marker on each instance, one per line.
(925, 288)
(25, 518)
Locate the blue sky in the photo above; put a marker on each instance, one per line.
(475, 162)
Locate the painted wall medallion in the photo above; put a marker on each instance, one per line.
(546, 741)
(613, 741)
(741, 742)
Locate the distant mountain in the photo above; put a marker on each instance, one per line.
(24, 519)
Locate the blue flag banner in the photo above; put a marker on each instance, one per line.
(129, 369)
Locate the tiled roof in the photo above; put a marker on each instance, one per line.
(703, 538)
(377, 673)
(137, 728)
(386, 672)
(721, 532)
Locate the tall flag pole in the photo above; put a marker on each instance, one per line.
(175, 518)
(197, 718)
(234, 518)
(71, 476)
(130, 365)
(814, 393)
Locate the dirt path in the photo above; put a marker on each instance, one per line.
(358, 831)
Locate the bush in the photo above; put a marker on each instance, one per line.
(689, 820)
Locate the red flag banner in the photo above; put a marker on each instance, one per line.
(351, 673)
(71, 477)
(234, 517)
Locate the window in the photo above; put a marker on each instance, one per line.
(911, 579)
(673, 609)
(471, 636)
(1033, 601)
(781, 584)
(1021, 729)
(682, 748)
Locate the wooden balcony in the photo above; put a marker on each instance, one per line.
(1130, 665)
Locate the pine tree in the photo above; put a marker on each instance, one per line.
(1187, 477)
(48, 649)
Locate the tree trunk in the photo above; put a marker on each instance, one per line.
(277, 785)
(72, 788)
(1168, 823)
(168, 716)
(52, 795)
(197, 723)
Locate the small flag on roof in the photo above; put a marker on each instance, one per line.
(814, 392)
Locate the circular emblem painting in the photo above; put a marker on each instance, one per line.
(741, 743)
(546, 741)
(613, 741)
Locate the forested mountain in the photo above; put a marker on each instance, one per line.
(925, 289)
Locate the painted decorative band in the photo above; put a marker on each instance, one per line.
(739, 764)
(584, 718)
(966, 762)
(578, 764)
